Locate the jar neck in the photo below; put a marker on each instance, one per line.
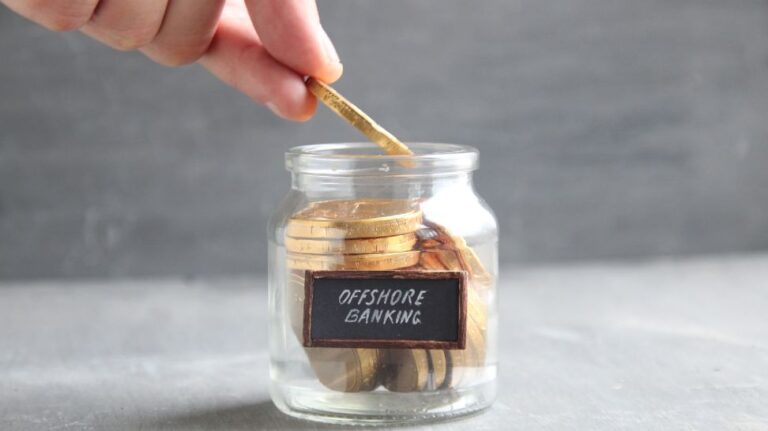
(379, 186)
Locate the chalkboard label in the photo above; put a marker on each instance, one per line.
(407, 309)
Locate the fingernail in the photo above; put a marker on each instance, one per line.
(272, 107)
(330, 50)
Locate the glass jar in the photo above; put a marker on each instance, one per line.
(378, 219)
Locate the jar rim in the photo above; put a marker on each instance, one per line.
(366, 159)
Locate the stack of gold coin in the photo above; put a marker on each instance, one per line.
(341, 235)
(360, 235)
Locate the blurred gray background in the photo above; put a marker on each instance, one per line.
(607, 129)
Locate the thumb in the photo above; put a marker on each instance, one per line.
(290, 31)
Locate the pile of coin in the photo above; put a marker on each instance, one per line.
(382, 235)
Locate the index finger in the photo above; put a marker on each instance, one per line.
(291, 32)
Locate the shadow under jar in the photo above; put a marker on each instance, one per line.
(382, 286)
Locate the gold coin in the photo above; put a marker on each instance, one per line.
(434, 236)
(443, 259)
(438, 369)
(355, 262)
(471, 263)
(385, 244)
(356, 117)
(430, 260)
(371, 361)
(346, 369)
(464, 364)
(449, 261)
(365, 218)
(407, 370)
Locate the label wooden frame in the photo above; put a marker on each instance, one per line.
(460, 344)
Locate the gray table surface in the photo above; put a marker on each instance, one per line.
(653, 345)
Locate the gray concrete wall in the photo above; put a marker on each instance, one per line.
(607, 129)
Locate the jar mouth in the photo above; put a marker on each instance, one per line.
(365, 158)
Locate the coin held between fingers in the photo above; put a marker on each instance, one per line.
(356, 117)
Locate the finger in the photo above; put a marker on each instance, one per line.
(186, 31)
(291, 32)
(126, 24)
(55, 15)
(237, 57)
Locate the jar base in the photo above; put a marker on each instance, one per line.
(382, 407)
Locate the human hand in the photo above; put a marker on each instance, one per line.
(263, 48)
